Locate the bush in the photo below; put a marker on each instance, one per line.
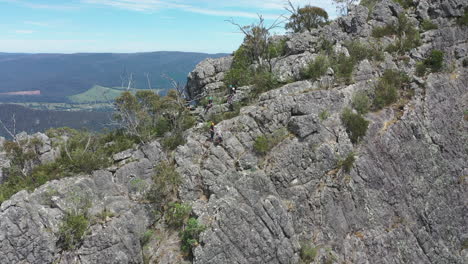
(177, 214)
(463, 20)
(405, 3)
(190, 235)
(171, 142)
(166, 181)
(360, 51)
(420, 69)
(347, 164)
(263, 81)
(361, 102)
(277, 49)
(72, 230)
(323, 115)
(317, 68)
(343, 67)
(306, 18)
(263, 144)
(435, 60)
(428, 25)
(379, 32)
(146, 237)
(356, 125)
(239, 74)
(465, 62)
(308, 253)
(386, 90)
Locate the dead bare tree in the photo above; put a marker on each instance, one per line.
(343, 6)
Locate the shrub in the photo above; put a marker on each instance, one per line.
(72, 230)
(263, 144)
(166, 181)
(308, 253)
(405, 3)
(239, 74)
(171, 142)
(428, 25)
(386, 90)
(420, 69)
(356, 125)
(146, 237)
(463, 20)
(326, 46)
(177, 214)
(379, 32)
(343, 67)
(347, 164)
(317, 68)
(277, 49)
(324, 115)
(465, 62)
(361, 102)
(263, 81)
(190, 235)
(306, 18)
(435, 60)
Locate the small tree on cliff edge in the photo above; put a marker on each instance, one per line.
(305, 18)
(257, 39)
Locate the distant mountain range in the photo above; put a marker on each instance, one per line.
(60, 75)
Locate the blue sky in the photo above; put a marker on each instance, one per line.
(53, 26)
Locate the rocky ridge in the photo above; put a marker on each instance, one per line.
(403, 200)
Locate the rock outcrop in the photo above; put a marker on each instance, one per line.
(401, 200)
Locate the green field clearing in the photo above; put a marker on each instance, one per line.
(97, 94)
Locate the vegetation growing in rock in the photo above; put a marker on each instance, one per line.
(428, 25)
(386, 90)
(147, 115)
(190, 235)
(305, 18)
(73, 229)
(264, 143)
(405, 3)
(308, 253)
(360, 51)
(465, 62)
(83, 152)
(434, 62)
(361, 102)
(317, 68)
(347, 164)
(177, 214)
(408, 35)
(166, 181)
(355, 124)
(463, 20)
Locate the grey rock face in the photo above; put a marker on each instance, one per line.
(356, 21)
(30, 223)
(290, 67)
(387, 11)
(209, 71)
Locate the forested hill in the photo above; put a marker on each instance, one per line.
(61, 75)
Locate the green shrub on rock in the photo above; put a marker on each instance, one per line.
(72, 230)
(317, 68)
(177, 214)
(435, 61)
(355, 124)
(190, 235)
(361, 102)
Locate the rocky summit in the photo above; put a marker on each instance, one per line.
(317, 190)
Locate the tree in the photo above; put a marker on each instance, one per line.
(257, 39)
(305, 18)
(343, 6)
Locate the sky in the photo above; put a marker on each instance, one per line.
(126, 26)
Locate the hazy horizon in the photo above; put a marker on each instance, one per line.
(132, 26)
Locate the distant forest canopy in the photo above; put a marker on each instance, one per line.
(32, 121)
(60, 75)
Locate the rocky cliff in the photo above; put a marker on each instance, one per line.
(401, 200)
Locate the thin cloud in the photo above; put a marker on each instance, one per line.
(36, 23)
(154, 5)
(24, 31)
(35, 5)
